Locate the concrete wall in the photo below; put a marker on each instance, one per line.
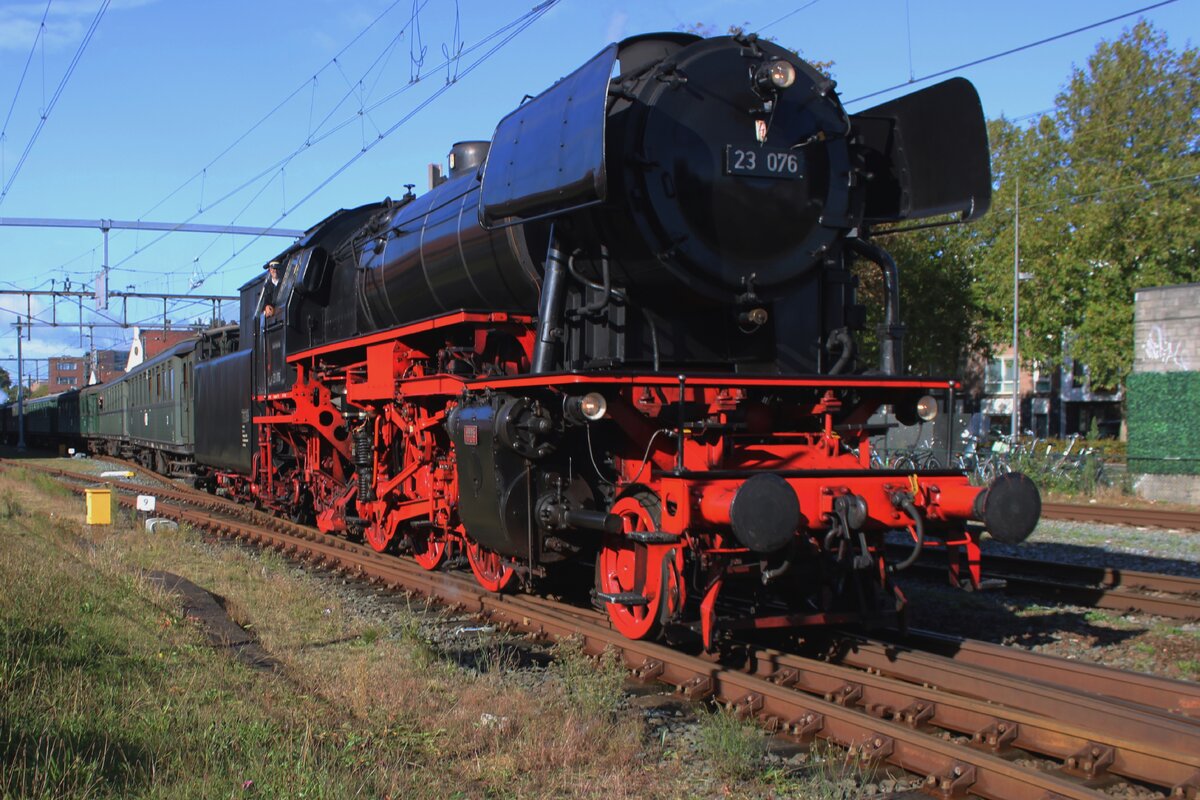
(1168, 488)
(1166, 329)
(1166, 338)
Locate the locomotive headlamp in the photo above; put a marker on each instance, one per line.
(775, 75)
(754, 316)
(927, 408)
(593, 406)
(586, 408)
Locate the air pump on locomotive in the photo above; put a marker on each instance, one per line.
(624, 331)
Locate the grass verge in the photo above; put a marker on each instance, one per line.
(106, 692)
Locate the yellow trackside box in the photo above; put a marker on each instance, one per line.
(99, 506)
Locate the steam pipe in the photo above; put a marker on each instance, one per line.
(605, 289)
(891, 344)
(842, 339)
(550, 308)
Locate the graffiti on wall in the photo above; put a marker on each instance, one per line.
(1159, 348)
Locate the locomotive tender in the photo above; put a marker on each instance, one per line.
(624, 330)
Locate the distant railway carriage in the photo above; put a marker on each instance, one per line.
(49, 420)
(149, 412)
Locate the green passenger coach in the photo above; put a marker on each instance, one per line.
(146, 414)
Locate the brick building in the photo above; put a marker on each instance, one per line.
(76, 372)
(1053, 401)
(149, 343)
(67, 372)
(106, 365)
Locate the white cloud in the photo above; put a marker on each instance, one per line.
(66, 23)
(617, 25)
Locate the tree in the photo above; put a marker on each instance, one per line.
(5, 381)
(1108, 202)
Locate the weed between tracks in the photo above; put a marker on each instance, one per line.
(106, 692)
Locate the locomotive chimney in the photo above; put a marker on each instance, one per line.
(467, 157)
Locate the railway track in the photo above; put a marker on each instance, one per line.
(1120, 515)
(1100, 587)
(966, 724)
(1122, 590)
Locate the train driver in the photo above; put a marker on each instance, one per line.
(270, 289)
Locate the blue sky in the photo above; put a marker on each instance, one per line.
(258, 113)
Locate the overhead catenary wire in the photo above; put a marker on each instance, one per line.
(39, 36)
(312, 82)
(520, 23)
(274, 110)
(505, 34)
(1011, 51)
(513, 30)
(87, 38)
(1142, 185)
(788, 15)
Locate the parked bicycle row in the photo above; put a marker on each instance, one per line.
(1072, 464)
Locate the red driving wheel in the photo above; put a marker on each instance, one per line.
(635, 578)
(490, 570)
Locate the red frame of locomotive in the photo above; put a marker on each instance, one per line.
(672, 503)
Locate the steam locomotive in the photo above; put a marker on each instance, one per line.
(625, 331)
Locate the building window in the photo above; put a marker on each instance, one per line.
(65, 380)
(999, 377)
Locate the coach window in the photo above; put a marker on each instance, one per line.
(171, 382)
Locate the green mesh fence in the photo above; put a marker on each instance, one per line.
(1163, 415)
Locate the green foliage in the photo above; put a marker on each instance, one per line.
(733, 745)
(1107, 201)
(1081, 474)
(1162, 440)
(938, 305)
(593, 686)
(10, 505)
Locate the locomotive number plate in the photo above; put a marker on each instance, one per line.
(763, 162)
